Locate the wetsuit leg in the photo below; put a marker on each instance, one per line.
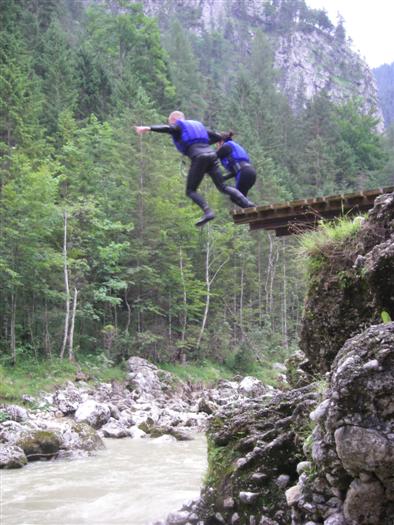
(235, 195)
(194, 178)
(246, 180)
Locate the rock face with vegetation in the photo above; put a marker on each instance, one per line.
(351, 449)
(351, 286)
(384, 76)
(311, 54)
(322, 453)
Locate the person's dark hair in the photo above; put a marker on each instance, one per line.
(227, 135)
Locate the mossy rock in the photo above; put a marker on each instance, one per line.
(40, 444)
(89, 439)
(145, 427)
(156, 431)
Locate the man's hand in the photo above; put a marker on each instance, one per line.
(141, 129)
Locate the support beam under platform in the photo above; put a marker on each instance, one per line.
(301, 215)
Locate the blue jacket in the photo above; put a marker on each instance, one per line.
(193, 132)
(238, 154)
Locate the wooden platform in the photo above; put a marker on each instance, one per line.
(298, 216)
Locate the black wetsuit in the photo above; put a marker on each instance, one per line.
(203, 160)
(244, 172)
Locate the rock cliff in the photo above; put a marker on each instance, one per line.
(310, 53)
(321, 453)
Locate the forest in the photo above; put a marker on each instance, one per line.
(99, 254)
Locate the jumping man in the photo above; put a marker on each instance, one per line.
(192, 139)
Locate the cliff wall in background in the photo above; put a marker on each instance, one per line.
(310, 53)
(384, 76)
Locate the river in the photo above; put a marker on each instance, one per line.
(132, 482)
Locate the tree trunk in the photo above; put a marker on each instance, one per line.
(208, 292)
(284, 312)
(260, 282)
(268, 276)
(47, 338)
(275, 260)
(169, 319)
(184, 317)
(71, 334)
(241, 300)
(208, 281)
(128, 311)
(12, 328)
(67, 289)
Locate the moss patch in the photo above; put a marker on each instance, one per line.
(41, 444)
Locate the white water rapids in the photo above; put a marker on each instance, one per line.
(132, 482)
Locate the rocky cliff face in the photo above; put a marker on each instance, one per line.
(315, 62)
(352, 287)
(321, 453)
(351, 479)
(384, 76)
(309, 53)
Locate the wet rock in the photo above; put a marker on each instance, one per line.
(78, 437)
(68, 400)
(113, 429)
(252, 387)
(136, 433)
(364, 503)
(248, 497)
(336, 519)
(39, 444)
(12, 456)
(293, 495)
(205, 406)
(10, 431)
(14, 412)
(94, 413)
(177, 518)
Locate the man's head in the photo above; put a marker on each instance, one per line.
(174, 116)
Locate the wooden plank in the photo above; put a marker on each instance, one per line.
(369, 194)
(295, 216)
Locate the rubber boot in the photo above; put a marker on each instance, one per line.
(208, 216)
(250, 204)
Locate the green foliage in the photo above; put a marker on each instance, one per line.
(3, 416)
(328, 235)
(206, 372)
(128, 44)
(220, 464)
(385, 316)
(31, 376)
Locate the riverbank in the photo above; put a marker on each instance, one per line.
(72, 420)
(32, 376)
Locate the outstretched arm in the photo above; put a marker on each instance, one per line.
(161, 128)
(141, 130)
